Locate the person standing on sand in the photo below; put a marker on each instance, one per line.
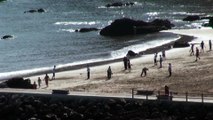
(155, 58)
(53, 77)
(170, 69)
(125, 62)
(144, 71)
(166, 90)
(197, 54)
(34, 85)
(192, 49)
(202, 46)
(210, 45)
(88, 72)
(46, 78)
(129, 64)
(164, 54)
(161, 61)
(109, 73)
(39, 82)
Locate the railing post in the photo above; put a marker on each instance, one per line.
(202, 98)
(132, 93)
(186, 96)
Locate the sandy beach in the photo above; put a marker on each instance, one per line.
(187, 74)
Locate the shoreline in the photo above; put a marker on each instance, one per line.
(149, 51)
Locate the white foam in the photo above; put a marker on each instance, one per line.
(77, 23)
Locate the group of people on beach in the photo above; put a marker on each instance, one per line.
(127, 64)
(197, 52)
(46, 79)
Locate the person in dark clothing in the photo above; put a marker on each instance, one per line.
(155, 58)
(202, 46)
(53, 77)
(170, 69)
(109, 73)
(166, 90)
(192, 49)
(125, 59)
(144, 70)
(46, 78)
(164, 54)
(129, 64)
(197, 54)
(161, 61)
(88, 72)
(210, 45)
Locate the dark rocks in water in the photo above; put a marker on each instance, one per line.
(180, 44)
(119, 4)
(87, 29)
(7, 37)
(210, 24)
(19, 83)
(192, 18)
(40, 10)
(132, 53)
(126, 26)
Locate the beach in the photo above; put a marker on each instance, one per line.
(187, 74)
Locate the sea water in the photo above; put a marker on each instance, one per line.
(42, 40)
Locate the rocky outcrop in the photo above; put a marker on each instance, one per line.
(119, 4)
(7, 37)
(180, 44)
(47, 107)
(192, 18)
(131, 53)
(87, 29)
(40, 10)
(19, 83)
(126, 26)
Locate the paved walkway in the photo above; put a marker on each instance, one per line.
(119, 95)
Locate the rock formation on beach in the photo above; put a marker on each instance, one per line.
(119, 4)
(126, 26)
(47, 107)
(40, 10)
(19, 83)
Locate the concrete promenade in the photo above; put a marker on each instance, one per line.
(199, 99)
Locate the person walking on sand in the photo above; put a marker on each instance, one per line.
(161, 61)
(170, 69)
(192, 49)
(39, 82)
(88, 72)
(155, 58)
(46, 78)
(144, 70)
(197, 54)
(202, 46)
(210, 45)
(34, 85)
(109, 73)
(53, 77)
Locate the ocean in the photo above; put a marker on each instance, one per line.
(42, 40)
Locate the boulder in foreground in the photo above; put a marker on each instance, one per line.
(19, 83)
(126, 26)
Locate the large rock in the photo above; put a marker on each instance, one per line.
(180, 44)
(191, 18)
(87, 29)
(40, 10)
(119, 4)
(19, 83)
(7, 37)
(132, 53)
(126, 26)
